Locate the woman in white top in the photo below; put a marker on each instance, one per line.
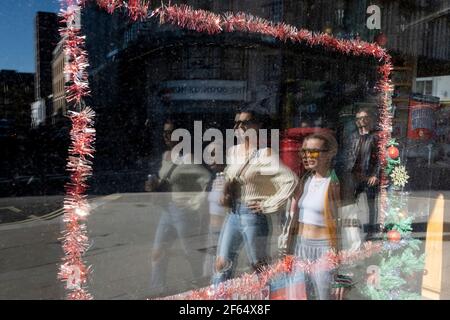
(316, 202)
(262, 186)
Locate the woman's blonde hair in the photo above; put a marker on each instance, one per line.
(328, 139)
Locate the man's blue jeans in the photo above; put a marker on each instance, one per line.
(242, 227)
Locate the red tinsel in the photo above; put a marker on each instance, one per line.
(251, 286)
(185, 17)
(137, 9)
(76, 206)
(73, 270)
(110, 5)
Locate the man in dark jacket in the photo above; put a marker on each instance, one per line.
(358, 166)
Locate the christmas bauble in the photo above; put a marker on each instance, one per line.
(393, 152)
(394, 236)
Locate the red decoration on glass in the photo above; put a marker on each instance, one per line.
(393, 152)
(394, 236)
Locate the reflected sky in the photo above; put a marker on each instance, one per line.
(17, 32)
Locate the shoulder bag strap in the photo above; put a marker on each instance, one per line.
(241, 170)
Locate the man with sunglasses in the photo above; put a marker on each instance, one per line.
(256, 186)
(358, 167)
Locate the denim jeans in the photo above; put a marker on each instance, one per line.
(242, 227)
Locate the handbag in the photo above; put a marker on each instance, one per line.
(230, 193)
(163, 184)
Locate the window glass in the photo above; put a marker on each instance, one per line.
(207, 138)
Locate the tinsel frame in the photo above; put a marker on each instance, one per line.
(76, 207)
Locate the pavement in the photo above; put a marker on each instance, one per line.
(121, 231)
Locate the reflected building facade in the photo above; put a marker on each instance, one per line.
(58, 84)
(46, 38)
(143, 72)
(16, 95)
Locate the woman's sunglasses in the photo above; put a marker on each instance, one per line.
(312, 153)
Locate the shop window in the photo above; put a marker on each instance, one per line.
(424, 87)
(428, 87)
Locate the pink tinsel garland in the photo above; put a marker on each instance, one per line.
(73, 270)
(251, 285)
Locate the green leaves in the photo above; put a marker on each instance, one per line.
(395, 268)
(392, 142)
(411, 263)
(404, 226)
(414, 244)
(401, 263)
(391, 164)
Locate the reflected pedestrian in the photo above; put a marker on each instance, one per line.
(257, 185)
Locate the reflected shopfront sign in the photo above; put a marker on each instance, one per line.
(223, 90)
